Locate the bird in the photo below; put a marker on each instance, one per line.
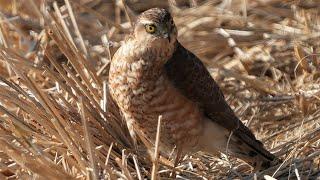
(152, 74)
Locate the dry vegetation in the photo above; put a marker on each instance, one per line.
(54, 56)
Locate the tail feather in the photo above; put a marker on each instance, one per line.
(246, 147)
(242, 144)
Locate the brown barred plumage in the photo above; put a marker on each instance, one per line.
(152, 74)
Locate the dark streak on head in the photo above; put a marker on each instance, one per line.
(157, 15)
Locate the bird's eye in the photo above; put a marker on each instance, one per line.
(150, 28)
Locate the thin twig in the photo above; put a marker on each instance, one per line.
(156, 151)
(88, 140)
(75, 25)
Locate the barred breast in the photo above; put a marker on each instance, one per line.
(143, 92)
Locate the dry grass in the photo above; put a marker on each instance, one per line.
(57, 122)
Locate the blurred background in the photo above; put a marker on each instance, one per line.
(56, 120)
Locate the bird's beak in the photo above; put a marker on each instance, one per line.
(166, 32)
(167, 36)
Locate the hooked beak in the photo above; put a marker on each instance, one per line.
(167, 36)
(166, 32)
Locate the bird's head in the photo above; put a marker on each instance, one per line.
(156, 26)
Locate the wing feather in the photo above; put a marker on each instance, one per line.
(189, 75)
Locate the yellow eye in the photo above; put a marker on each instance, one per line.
(150, 28)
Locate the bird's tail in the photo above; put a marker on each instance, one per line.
(245, 146)
(241, 143)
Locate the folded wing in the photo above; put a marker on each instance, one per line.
(189, 75)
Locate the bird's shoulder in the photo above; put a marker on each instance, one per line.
(124, 52)
(189, 75)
